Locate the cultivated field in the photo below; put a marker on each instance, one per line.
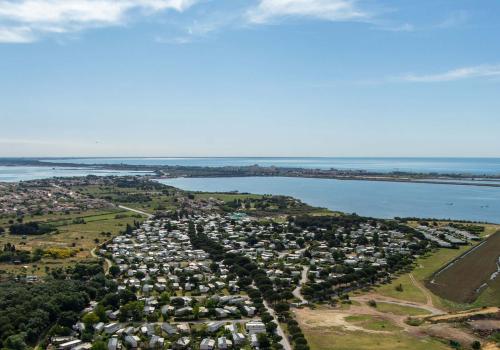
(463, 279)
(426, 266)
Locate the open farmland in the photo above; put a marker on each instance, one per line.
(462, 279)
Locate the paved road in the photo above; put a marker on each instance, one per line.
(284, 339)
(136, 211)
(297, 292)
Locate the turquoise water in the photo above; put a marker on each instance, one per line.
(369, 198)
(476, 166)
(25, 173)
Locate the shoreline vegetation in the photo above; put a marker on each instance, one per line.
(169, 171)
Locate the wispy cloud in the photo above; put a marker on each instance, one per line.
(405, 27)
(25, 20)
(454, 19)
(16, 35)
(332, 10)
(473, 72)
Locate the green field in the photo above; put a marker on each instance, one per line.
(322, 339)
(372, 323)
(148, 201)
(400, 309)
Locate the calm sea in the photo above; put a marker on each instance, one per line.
(369, 198)
(476, 166)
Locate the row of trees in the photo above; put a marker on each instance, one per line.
(257, 284)
(30, 228)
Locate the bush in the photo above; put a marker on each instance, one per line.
(412, 321)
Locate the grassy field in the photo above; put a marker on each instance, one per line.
(460, 280)
(153, 199)
(78, 238)
(372, 323)
(320, 339)
(425, 266)
(400, 309)
(491, 295)
(409, 292)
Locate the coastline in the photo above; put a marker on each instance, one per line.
(178, 171)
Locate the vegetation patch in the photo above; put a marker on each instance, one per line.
(372, 323)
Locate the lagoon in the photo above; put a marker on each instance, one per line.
(369, 198)
(25, 173)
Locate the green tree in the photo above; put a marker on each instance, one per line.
(133, 309)
(114, 270)
(99, 345)
(16, 342)
(90, 319)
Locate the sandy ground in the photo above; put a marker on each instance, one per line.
(327, 317)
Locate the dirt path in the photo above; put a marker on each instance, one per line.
(328, 318)
(332, 318)
(383, 299)
(136, 211)
(424, 290)
(106, 260)
(465, 314)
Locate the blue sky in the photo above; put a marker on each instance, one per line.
(249, 78)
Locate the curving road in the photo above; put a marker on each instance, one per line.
(297, 292)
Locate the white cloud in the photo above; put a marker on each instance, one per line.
(454, 19)
(331, 10)
(481, 71)
(24, 20)
(406, 27)
(16, 35)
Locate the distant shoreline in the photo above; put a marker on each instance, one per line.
(170, 171)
